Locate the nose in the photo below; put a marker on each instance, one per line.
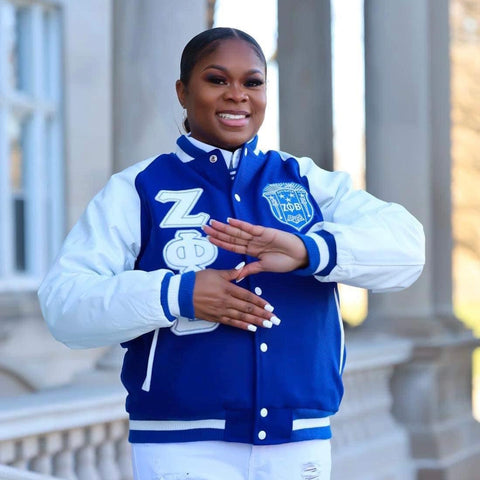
(236, 92)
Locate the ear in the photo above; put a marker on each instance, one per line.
(181, 92)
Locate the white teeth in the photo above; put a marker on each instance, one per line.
(230, 116)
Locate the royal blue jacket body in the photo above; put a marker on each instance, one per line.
(126, 274)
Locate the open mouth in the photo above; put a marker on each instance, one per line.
(233, 116)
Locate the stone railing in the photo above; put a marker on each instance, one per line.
(10, 473)
(79, 432)
(75, 433)
(368, 443)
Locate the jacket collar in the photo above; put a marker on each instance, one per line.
(187, 151)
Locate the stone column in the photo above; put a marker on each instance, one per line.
(148, 39)
(305, 79)
(149, 36)
(408, 161)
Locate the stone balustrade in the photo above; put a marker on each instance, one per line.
(10, 473)
(80, 432)
(368, 443)
(72, 433)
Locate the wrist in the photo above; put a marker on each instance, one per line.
(180, 295)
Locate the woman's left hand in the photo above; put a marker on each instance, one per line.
(276, 250)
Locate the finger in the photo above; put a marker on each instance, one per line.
(247, 312)
(258, 318)
(233, 273)
(229, 238)
(247, 227)
(240, 318)
(238, 324)
(246, 301)
(232, 247)
(217, 229)
(249, 269)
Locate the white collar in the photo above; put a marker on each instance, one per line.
(231, 158)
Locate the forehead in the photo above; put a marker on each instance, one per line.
(232, 53)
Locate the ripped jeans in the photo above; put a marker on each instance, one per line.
(212, 460)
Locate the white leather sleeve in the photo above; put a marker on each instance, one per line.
(92, 296)
(380, 246)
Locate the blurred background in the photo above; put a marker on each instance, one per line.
(387, 90)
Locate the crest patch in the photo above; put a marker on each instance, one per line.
(289, 203)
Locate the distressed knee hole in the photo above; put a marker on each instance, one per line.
(311, 471)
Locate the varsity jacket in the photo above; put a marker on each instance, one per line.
(126, 274)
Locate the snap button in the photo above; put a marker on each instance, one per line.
(262, 434)
(263, 412)
(237, 197)
(213, 158)
(258, 290)
(263, 347)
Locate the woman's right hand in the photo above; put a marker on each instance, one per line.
(216, 299)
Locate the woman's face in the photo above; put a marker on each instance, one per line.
(225, 97)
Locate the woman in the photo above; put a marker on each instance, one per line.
(216, 267)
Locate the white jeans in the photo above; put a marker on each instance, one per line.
(308, 460)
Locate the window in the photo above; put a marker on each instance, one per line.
(31, 178)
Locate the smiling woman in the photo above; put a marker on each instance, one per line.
(216, 267)
(224, 92)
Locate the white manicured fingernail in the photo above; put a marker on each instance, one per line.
(268, 308)
(228, 220)
(267, 324)
(239, 266)
(238, 280)
(211, 220)
(275, 320)
(252, 328)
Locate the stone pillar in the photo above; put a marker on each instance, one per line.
(408, 161)
(148, 39)
(149, 36)
(305, 79)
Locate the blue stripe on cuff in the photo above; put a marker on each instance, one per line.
(185, 295)
(313, 255)
(332, 250)
(164, 296)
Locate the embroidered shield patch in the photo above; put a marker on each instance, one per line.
(289, 203)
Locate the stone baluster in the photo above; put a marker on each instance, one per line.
(118, 436)
(124, 456)
(107, 464)
(42, 463)
(20, 460)
(7, 452)
(86, 459)
(64, 460)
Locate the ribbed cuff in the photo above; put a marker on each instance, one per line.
(322, 253)
(185, 295)
(164, 296)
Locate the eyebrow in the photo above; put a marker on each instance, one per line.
(223, 69)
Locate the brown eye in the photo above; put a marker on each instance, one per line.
(254, 83)
(216, 80)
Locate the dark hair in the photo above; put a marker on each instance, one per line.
(207, 42)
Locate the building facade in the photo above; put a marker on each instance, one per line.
(87, 88)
